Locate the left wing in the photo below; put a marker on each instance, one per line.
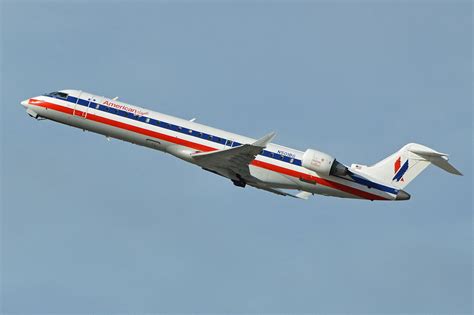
(233, 162)
(301, 195)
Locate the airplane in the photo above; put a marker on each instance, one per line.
(245, 161)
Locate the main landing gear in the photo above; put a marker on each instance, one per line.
(240, 182)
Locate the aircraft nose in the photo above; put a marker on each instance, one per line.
(25, 103)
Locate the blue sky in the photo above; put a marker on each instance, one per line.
(95, 226)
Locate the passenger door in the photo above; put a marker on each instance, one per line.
(84, 103)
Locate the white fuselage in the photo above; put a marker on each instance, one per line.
(277, 166)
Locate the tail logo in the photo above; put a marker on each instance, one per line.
(399, 169)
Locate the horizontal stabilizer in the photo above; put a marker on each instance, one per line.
(437, 158)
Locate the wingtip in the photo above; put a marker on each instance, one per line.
(458, 173)
(262, 142)
(303, 195)
(271, 135)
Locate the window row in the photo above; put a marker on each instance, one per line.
(168, 126)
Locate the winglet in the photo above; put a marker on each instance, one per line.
(262, 142)
(303, 195)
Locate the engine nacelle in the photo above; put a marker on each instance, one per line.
(323, 163)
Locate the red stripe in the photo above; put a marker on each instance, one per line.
(397, 165)
(321, 181)
(204, 148)
(125, 126)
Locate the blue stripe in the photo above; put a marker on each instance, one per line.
(223, 141)
(176, 128)
(369, 183)
(401, 172)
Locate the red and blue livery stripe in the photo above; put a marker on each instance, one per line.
(205, 148)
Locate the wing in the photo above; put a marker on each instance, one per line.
(301, 195)
(233, 162)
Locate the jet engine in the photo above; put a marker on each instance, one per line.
(323, 163)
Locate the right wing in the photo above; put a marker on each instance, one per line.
(234, 163)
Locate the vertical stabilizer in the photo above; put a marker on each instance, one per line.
(400, 168)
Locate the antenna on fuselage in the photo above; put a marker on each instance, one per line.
(115, 98)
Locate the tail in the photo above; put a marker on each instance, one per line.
(400, 168)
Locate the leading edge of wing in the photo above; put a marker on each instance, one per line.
(236, 157)
(259, 144)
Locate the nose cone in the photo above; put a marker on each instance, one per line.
(402, 195)
(25, 103)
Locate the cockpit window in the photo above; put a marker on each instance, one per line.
(57, 94)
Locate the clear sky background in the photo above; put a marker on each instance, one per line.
(96, 226)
